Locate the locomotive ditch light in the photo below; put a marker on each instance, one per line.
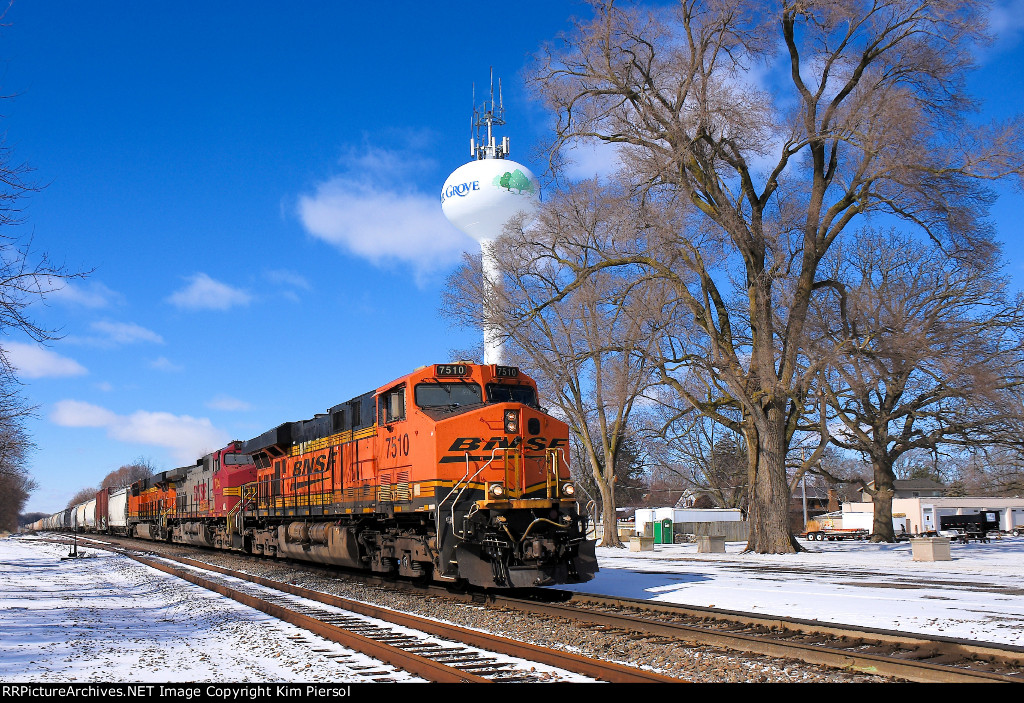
(511, 422)
(568, 490)
(495, 491)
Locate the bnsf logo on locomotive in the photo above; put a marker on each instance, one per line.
(311, 464)
(471, 444)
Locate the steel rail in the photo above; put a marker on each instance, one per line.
(909, 667)
(413, 663)
(1010, 655)
(421, 666)
(819, 654)
(603, 670)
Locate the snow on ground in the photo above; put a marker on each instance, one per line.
(81, 620)
(976, 595)
(107, 618)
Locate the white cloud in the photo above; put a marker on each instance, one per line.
(226, 402)
(185, 436)
(283, 277)
(92, 294)
(376, 210)
(75, 413)
(585, 160)
(165, 364)
(288, 282)
(33, 361)
(1006, 20)
(126, 332)
(113, 334)
(204, 293)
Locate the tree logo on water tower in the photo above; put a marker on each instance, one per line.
(514, 179)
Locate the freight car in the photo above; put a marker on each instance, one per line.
(452, 473)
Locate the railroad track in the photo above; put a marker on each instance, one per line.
(432, 650)
(872, 651)
(867, 650)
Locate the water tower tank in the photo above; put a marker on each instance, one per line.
(481, 196)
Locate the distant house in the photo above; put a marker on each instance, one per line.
(810, 500)
(910, 488)
(693, 499)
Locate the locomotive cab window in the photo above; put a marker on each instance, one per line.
(392, 405)
(501, 393)
(436, 394)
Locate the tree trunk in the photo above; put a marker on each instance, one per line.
(769, 496)
(881, 527)
(608, 514)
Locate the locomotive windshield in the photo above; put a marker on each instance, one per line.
(500, 393)
(447, 395)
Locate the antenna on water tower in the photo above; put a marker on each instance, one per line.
(480, 197)
(486, 117)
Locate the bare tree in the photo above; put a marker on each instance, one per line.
(26, 275)
(706, 458)
(992, 471)
(591, 351)
(863, 111)
(82, 496)
(16, 485)
(128, 474)
(929, 353)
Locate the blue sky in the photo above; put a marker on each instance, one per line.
(256, 188)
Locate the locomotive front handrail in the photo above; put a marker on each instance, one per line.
(467, 481)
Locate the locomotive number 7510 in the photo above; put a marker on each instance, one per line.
(396, 446)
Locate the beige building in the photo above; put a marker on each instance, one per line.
(923, 513)
(910, 488)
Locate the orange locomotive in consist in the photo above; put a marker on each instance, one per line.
(453, 472)
(199, 505)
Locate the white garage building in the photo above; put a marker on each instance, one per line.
(923, 513)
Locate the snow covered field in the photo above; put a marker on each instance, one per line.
(975, 596)
(81, 620)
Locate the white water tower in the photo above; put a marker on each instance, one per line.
(484, 194)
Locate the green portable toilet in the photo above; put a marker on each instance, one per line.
(663, 531)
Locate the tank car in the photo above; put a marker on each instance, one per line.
(117, 511)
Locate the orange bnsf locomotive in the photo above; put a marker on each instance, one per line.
(453, 473)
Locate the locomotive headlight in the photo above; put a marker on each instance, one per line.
(511, 422)
(568, 490)
(496, 490)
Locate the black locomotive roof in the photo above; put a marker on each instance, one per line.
(354, 414)
(280, 435)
